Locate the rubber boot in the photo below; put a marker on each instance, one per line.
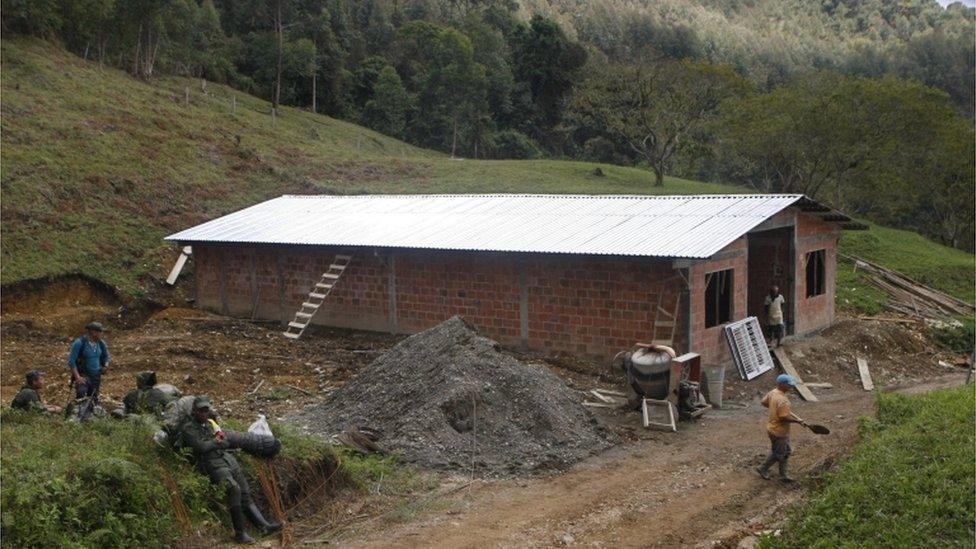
(258, 520)
(763, 469)
(237, 518)
(784, 474)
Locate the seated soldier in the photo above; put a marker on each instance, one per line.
(145, 398)
(210, 449)
(29, 396)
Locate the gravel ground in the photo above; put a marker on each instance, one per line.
(448, 398)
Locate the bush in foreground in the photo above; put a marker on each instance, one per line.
(908, 483)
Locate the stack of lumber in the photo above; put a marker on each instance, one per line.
(910, 297)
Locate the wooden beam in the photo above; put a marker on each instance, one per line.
(819, 385)
(787, 366)
(178, 268)
(862, 369)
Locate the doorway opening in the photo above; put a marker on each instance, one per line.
(771, 263)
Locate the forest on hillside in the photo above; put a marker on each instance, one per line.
(865, 104)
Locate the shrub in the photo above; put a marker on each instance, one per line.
(93, 485)
(513, 144)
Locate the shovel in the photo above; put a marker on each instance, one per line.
(818, 429)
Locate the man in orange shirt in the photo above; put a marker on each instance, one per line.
(778, 427)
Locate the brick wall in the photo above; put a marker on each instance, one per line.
(812, 234)
(554, 303)
(598, 306)
(710, 342)
(593, 305)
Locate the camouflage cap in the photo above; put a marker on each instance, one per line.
(202, 402)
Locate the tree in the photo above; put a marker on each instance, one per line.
(546, 65)
(456, 85)
(654, 109)
(893, 150)
(386, 112)
(825, 129)
(437, 65)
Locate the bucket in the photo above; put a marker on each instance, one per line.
(715, 381)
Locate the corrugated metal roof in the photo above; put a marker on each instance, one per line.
(694, 226)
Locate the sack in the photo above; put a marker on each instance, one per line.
(169, 390)
(261, 427)
(262, 446)
(177, 413)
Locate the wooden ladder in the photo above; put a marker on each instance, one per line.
(303, 317)
(665, 323)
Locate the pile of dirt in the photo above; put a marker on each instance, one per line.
(448, 398)
(877, 339)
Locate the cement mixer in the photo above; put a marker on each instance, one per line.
(648, 369)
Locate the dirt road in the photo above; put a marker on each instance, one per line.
(693, 488)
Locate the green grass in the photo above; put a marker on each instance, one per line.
(908, 483)
(98, 167)
(95, 485)
(946, 269)
(100, 484)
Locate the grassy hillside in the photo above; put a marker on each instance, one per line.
(948, 269)
(97, 167)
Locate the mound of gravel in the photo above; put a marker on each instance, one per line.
(448, 398)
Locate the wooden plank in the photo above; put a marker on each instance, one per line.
(862, 369)
(600, 397)
(889, 319)
(819, 385)
(610, 392)
(178, 268)
(787, 366)
(599, 405)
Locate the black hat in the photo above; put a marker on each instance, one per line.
(96, 326)
(32, 375)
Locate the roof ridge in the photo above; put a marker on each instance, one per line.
(544, 195)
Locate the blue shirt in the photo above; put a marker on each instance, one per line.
(94, 357)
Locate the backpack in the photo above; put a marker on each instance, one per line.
(80, 359)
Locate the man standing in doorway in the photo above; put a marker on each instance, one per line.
(88, 361)
(774, 316)
(778, 427)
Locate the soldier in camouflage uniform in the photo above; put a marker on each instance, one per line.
(210, 446)
(145, 398)
(29, 396)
